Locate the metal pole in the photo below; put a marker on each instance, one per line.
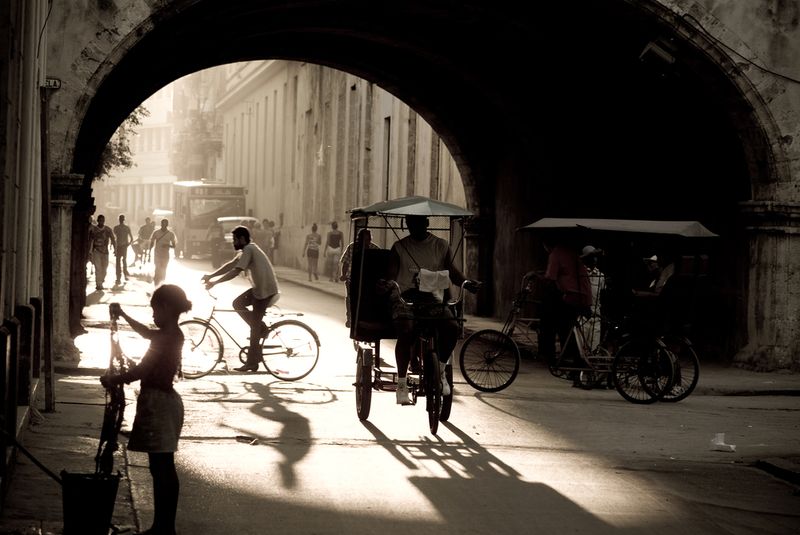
(47, 263)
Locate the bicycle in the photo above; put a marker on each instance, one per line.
(290, 348)
(490, 359)
(641, 368)
(424, 376)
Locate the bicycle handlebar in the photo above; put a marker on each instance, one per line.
(452, 302)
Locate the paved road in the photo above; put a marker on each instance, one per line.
(263, 455)
(259, 455)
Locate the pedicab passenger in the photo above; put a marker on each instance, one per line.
(422, 250)
(363, 239)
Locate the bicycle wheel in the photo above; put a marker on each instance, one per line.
(447, 401)
(687, 369)
(290, 350)
(433, 389)
(363, 382)
(202, 348)
(489, 360)
(636, 371)
(658, 371)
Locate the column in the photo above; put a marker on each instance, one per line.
(64, 189)
(773, 289)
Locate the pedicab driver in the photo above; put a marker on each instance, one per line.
(412, 258)
(262, 294)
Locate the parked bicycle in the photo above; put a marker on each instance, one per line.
(290, 348)
(489, 359)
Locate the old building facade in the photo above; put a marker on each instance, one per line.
(310, 143)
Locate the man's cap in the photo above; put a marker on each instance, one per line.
(589, 250)
(653, 258)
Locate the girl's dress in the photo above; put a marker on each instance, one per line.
(159, 408)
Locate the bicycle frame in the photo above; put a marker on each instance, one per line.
(217, 324)
(369, 374)
(289, 347)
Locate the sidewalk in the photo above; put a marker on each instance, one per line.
(68, 438)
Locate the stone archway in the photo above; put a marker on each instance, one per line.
(466, 69)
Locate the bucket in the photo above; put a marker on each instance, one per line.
(88, 502)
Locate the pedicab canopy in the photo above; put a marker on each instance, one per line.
(686, 229)
(413, 205)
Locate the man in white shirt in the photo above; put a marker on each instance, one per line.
(422, 250)
(262, 294)
(162, 240)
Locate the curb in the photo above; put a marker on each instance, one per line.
(786, 469)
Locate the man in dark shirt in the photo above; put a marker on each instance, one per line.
(124, 238)
(99, 238)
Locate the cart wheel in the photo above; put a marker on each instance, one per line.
(433, 389)
(447, 401)
(687, 370)
(489, 360)
(642, 371)
(363, 382)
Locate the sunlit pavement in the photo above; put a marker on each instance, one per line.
(260, 455)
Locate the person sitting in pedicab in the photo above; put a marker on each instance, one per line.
(363, 240)
(422, 266)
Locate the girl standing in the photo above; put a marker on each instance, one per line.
(159, 408)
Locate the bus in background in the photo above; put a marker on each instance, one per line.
(197, 205)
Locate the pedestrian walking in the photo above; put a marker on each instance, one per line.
(124, 239)
(159, 408)
(162, 240)
(100, 236)
(334, 241)
(311, 251)
(269, 238)
(141, 245)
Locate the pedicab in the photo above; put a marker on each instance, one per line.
(371, 305)
(644, 350)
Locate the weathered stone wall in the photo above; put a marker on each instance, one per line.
(88, 45)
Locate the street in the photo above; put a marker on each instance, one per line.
(260, 455)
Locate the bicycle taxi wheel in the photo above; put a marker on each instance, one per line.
(202, 348)
(290, 350)
(643, 371)
(432, 384)
(447, 400)
(489, 360)
(687, 369)
(363, 382)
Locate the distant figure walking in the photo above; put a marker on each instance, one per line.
(269, 238)
(141, 245)
(311, 251)
(333, 251)
(162, 240)
(124, 238)
(99, 237)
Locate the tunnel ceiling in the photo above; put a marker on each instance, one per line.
(559, 90)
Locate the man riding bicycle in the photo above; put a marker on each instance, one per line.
(262, 294)
(422, 252)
